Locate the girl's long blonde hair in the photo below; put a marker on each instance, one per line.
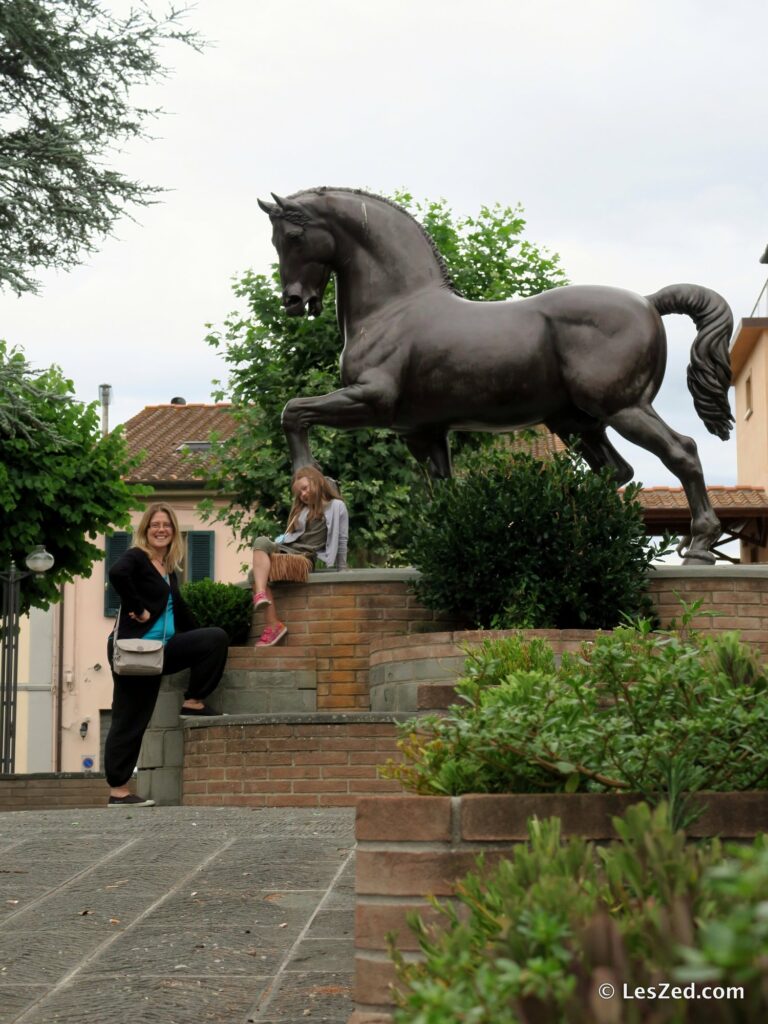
(321, 491)
(175, 554)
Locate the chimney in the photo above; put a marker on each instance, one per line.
(105, 398)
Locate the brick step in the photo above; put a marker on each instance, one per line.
(320, 678)
(271, 657)
(285, 760)
(300, 635)
(339, 657)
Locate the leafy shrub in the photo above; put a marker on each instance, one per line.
(534, 939)
(635, 711)
(515, 542)
(221, 604)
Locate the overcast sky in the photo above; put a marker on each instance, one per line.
(633, 133)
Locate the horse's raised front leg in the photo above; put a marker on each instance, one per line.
(643, 426)
(359, 405)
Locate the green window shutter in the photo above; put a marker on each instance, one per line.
(200, 555)
(115, 546)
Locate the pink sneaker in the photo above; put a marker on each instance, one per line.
(272, 635)
(260, 600)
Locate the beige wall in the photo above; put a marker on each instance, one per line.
(752, 427)
(749, 360)
(34, 704)
(22, 698)
(87, 682)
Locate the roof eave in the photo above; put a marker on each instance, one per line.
(744, 339)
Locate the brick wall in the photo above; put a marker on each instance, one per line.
(320, 760)
(411, 846)
(331, 621)
(339, 625)
(49, 791)
(739, 594)
(415, 672)
(322, 665)
(358, 642)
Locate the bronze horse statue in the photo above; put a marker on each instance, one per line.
(422, 360)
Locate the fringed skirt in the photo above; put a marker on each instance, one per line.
(285, 566)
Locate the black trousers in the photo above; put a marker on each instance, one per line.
(203, 651)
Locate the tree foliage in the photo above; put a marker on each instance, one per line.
(60, 481)
(66, 71)
(272, 358)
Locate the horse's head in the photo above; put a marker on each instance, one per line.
(305, 250)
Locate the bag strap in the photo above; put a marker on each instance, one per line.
(165, 620)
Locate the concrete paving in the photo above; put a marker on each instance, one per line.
(176, 915)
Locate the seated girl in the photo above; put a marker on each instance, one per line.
(318, 527)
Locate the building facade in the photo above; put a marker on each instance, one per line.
(749, 364)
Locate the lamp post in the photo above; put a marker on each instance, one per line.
(38, 561)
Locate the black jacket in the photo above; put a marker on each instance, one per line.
(141, 587)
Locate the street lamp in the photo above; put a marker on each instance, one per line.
(38, 561)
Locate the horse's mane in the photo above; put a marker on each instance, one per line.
(322, 189)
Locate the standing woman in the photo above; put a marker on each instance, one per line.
(318, 527)
(152, 607)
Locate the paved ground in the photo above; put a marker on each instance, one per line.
(176, 915)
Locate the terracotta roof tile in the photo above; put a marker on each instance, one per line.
(162, 430)
(660, 502)
(728, 502)
(540, 447)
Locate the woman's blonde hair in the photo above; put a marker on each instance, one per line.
(176, 548)
(321, 491)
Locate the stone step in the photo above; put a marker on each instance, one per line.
(435, 696)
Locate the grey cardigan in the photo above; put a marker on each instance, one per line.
(334, 554)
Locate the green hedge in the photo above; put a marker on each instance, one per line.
(221, 604)
(517, 542)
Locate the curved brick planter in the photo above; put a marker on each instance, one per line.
(417, 672)
(411, 846)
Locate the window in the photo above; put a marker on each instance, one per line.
(194, 446)
(748, 389)
(115, 546)
(198, 564)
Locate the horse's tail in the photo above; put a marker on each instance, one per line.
(709, 371)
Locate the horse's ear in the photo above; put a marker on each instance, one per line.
(268, 208)
(291, 210)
